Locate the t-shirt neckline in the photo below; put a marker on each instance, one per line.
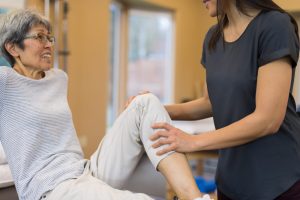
(245, 31)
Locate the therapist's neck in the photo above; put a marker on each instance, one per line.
(238, 19)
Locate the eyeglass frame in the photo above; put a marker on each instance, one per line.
(43, 38)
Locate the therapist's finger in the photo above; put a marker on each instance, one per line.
(162, 141)
(159, 134)
(167, 149)
(162, 125)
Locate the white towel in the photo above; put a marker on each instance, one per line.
(2, 156)
(195, 127)
(5, 173)
(205, 197)
(5, 176)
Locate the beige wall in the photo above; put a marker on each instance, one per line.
(36, 4)
(291, 5)
(88, 69)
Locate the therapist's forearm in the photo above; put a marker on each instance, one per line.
(250, 128)
(193, 110)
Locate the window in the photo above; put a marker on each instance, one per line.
(141, 56)
(3, 10)
(114, 72)
(12, 4)
(150, 55)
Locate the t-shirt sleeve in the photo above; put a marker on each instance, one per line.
(278, 39)
(3, 75)
(203, 58)
(205, 45)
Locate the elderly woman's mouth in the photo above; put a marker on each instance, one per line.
(47, 55)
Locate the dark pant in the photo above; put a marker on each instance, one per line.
(293, 193)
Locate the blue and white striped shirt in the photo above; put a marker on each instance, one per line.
(37, 132)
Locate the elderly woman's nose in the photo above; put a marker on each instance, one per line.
(49, 44)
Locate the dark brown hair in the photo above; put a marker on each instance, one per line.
(223, 6)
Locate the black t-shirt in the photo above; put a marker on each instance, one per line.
(267, 167)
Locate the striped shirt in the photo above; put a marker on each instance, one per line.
(37, 132)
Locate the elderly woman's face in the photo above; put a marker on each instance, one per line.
(37, 53)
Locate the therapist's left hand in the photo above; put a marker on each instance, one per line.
(176, 139)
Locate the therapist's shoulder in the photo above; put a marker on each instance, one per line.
(275, 20)
(209, 34)
(274, 15)
(211, 30)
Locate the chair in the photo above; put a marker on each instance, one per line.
(8, 193)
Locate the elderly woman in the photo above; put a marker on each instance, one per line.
(38, 134)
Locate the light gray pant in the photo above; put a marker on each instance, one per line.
(118, 155)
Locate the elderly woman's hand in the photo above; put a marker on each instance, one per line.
(129, 100)
(176, 139)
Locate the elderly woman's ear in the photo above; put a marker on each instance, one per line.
(12, 49)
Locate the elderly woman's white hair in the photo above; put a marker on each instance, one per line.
(15, 25)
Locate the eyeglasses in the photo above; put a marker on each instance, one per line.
(43, 38)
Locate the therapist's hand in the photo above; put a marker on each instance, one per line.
(176, 139)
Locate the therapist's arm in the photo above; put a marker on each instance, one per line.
(273, 86)
(193, 110)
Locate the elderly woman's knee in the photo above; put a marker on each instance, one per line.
(147, 99)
